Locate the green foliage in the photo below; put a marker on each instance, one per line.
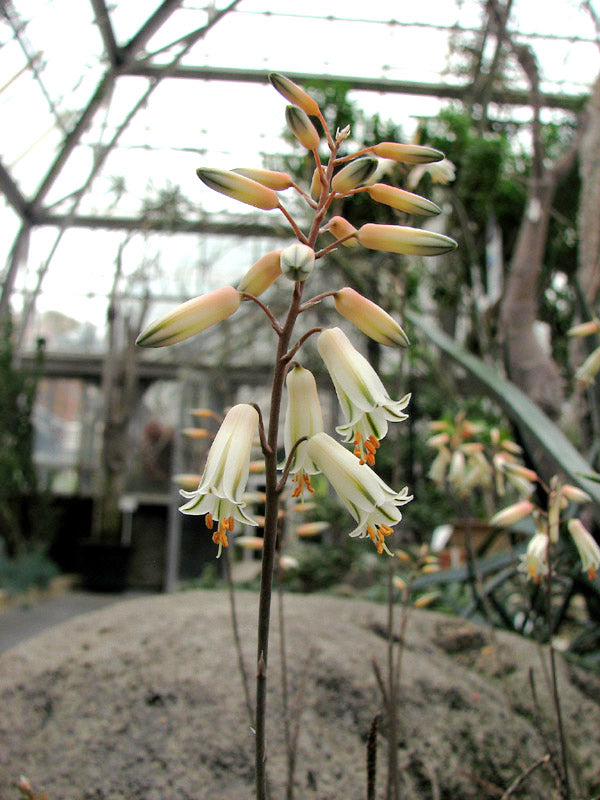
(33, 569)
(22, 513)
(323, 565)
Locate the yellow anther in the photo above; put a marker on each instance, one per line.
(208, 521)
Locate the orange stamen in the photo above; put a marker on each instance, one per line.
(208, 521)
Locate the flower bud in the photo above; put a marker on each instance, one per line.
(575, 494)
(190, 318)
(297, 261)
(402, 200)
(261, 274)
(407, 153)
(239, 187)
(187, 480)
(316, 185)
(340, 228)
(354, 174)
(294, 93)
(302, 128)
(584, 329)
(312, 528)
(587, 546)
(249, 542)
(401, 239)
(278, 181)
(588, 370)
(369, 318)
(508, 516)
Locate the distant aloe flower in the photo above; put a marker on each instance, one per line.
(442, 171)
(370, 318)
(190, 318)
(219, 497)
(587, 546)
(535, 560)
(303, 418)
(402, 239)
(589, 369)
(511, 514)
(363, 398)
(372, 503)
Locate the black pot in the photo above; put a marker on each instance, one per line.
(104, 566)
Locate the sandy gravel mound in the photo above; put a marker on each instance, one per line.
(143, 701)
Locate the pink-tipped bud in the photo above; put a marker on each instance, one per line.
(302, 128)
(261, 274)
(340, 228)
(407, 153)
(369, 318)
(187, 480)
(354, 174)
(190, 318)
(239, 187)
(508, 516)
(402, 200)
(519, 470)
(584, 329)
(589, 369)
(249, 542)
(312, 528)
(575, 494)
(401, 239)
(278, 181)
(438, 440)
(294, 93)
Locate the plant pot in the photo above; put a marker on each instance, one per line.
(104, 566)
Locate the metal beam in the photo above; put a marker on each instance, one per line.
(13, 194)
(159, 225)
(148, 29)
(513, 97)
(113, 51)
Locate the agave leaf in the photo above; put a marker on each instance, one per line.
(521, 410)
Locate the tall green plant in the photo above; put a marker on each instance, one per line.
(20, 520)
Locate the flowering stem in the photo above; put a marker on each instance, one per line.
(300, 236)
(273, 492)
(274, 324)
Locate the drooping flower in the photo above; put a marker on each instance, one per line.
(191, 317)
(365, 403)
(587, 546)
(219, 497)
(372, 503)
(535, 560)
(370, 318)
(303, 418)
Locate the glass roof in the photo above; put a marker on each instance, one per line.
(108, 108)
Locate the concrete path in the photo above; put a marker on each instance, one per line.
(20, 623)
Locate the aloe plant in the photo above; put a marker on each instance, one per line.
(519, 408)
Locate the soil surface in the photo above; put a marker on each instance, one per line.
(143, 701)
